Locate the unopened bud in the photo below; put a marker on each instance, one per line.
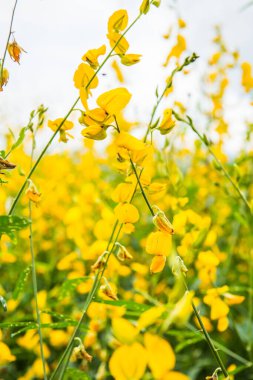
(100, 263)
(123, 253)
(32, 192)
(179, 267)
(161, 221)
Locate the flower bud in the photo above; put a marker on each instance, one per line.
(162, 222)
(123, 253)
(32, 192)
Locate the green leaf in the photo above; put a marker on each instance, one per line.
(20, 139)
(21, 281)
(76, 374)
(12, 223)
(188, 342)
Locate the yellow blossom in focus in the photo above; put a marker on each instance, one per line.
(67, 125)
(83, 75)
(91, 56)
(118, 21)
(114, 101)
(130, 59)
(122, 44)
(15, 50)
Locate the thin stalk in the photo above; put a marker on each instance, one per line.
(169, 83)
(210, 343)
(141, 187)
(65, 118)
(8, 39)
(34, 280)
(207, 337)
(63, 362)
(206, 142)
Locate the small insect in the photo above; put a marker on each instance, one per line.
(4, 164)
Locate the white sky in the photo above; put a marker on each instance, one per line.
(56, 33)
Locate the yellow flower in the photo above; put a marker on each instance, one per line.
(167, 123)
(91, 56)
(5, 77)
(113, 101)
(126, 213)
(161, 357)
(6, 355)
(122, 45)
(162, 222)
(157, 264)
(124, 331)
(95, 132)
(128, 362)
(177, 49)
(181, 311)
(118, 21)
(83, 76)
(158, 243)
(144, 8)
(32, 193)
(15, 50)
(174, 375)
(130, 59)
(67, 125)
(150, 317)
(118, 72)
(247, 78)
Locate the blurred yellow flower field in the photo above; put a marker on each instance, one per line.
(130, 258)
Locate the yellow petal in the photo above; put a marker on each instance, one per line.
(122, 44)
(128, 362)
(161, 357)
(219, 309)
(118, 21)
(174, 375)
(150, 316)
(126, 213)
(83, 75)
(158, 243)
(123, 330)
(157, 264)
(223, 324)
(115, 100)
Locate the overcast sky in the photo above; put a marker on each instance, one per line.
(56, 33)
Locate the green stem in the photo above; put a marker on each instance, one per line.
(34, 280)
(141, 187)
(8, 39)
(35, 292)
(210, 343)
(66, 117)
(186, 62)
